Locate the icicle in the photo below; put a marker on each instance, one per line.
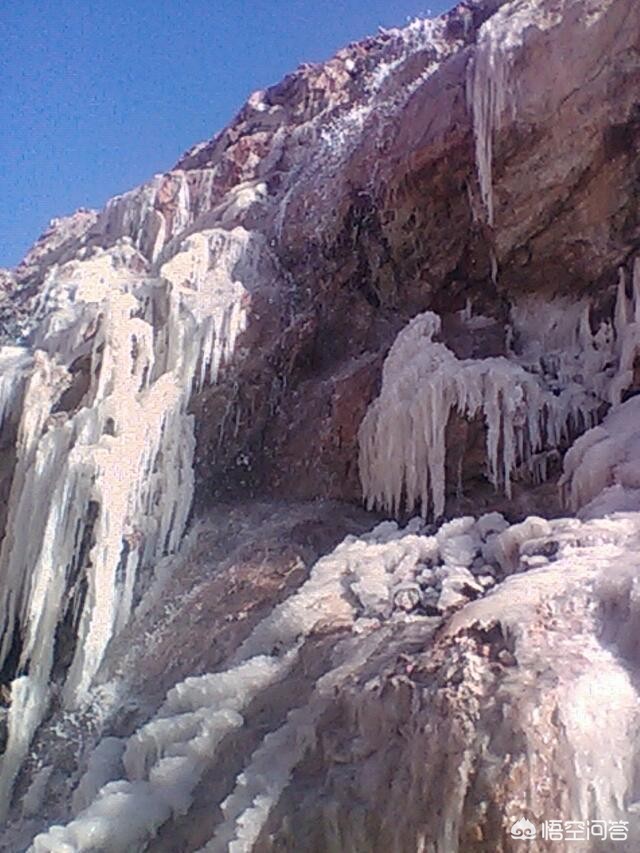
(204, 270)
(14, 363)
(491, 91)
(117, 472)
(34, 476)
(494, 265)
(621, 314)
(636, 290)
(627, 329)
(29, 699)
(553, 387)
(487, 88)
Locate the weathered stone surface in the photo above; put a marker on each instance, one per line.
(442, 743)
(346, 199)
(361, 174)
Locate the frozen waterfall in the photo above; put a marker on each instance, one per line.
(103, 479)
(533, 401)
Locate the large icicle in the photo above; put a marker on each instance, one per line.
(487, 88)
(555, 384)
(105, 489)
(149, 215)
(402, 437)
(491, 92)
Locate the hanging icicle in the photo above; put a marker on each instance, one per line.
(114, 472)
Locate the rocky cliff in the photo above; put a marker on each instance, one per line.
(407, 277)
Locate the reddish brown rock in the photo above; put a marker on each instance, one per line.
(360, 176)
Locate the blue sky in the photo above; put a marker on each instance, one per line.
(97, 96)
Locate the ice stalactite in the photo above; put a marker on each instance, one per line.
(402, 437)
(554, 339)
(205, 269)
(492, 92)
(487, 92)
(104, 488)
(13, 364)
(558, 377)
(627, 326)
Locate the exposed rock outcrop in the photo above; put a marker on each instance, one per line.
(408, 274)
(363, 176)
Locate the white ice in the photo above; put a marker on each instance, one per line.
(117, 470)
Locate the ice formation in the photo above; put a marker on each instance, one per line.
(138, 214)
(557, 379)
(144, 305)
(487, 91)
(354, 587)
(165, 760)
(403, 436)
(162, 763)
(381, 99)
(111, 474)
(602, 468)
(114, 462)
(492, 86)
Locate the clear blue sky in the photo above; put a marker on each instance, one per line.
(95, 97)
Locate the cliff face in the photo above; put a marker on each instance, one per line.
(365, 180)
(224, 333)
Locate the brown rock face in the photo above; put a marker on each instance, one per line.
(363, 176)
(399, 226)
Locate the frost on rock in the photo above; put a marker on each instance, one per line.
(387, 87)
(103, 485)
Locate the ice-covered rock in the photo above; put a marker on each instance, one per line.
(110, 460)
(407, 596)
(602, 469)
(224, 326)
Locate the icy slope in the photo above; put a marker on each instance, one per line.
(430, 636)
